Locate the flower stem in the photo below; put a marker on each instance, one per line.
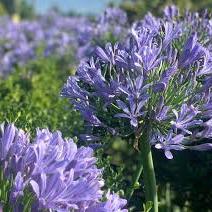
(150, 188)
(136, 178)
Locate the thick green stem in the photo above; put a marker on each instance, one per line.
(148, 170)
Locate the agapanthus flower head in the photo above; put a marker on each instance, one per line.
(153, 78)
(59, 175)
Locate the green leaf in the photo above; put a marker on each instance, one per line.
(147, 206)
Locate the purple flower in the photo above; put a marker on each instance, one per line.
(90, 72)
(114, 15)
(47, 155)
(171, 31)
(207, 65)
(137, 98)
(154, 76)
(107, 55)
(140, 37)
(113, 204)
(135, 88)
(168, 143)
(17, 150)
(126, 60)
(160, 114)
(206, 132)
(86, 137)
(148, 57)
(60, 175)
(192, 52)
(7, 139)
(171, 55)
(202, 147)
(185, 119)
(171, 11)
(18, 187)
(57, 35)
(72, 90)
(165, 77)
(13, 144)
(55, 193)
(87, 112)
(151, 23)
(133, 113)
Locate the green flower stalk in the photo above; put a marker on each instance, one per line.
(150, 187)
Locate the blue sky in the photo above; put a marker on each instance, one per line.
(82, 6)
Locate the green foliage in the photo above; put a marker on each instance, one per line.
(20, 7)
(28, 199)
(9, 5)
(182, 182)
(136, 9)
(112, 173)
(5, 185)
(2, 9)
(147, 207)
(26, 10)
(30, 98)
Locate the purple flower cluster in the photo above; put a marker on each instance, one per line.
(60, 176)
(113, 21)
(161, 75)
(55, 35)
(111, 26)
(45, 36)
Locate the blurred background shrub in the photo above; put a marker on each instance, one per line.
(21, 7)
(30, 98)
(136, 9)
